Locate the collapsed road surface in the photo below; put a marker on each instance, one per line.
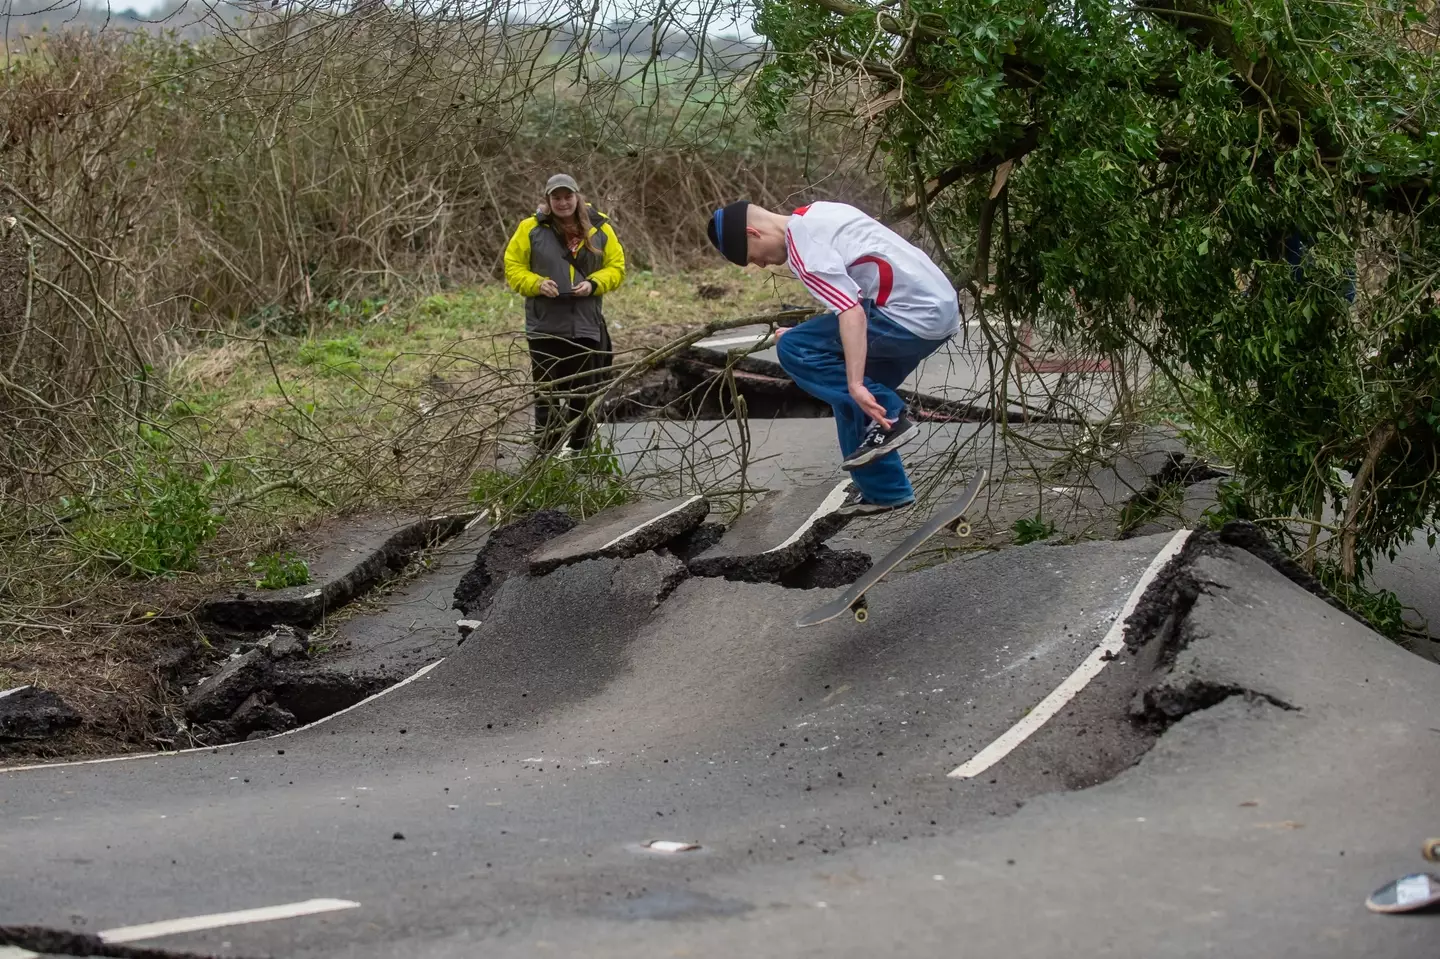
(1231, 781)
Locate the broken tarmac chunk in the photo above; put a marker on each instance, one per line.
(219, 696)
(357, 558)
(260, 713)
(506, 552)
(254, 692)
(779, 534)
(623, 531)
(286, 642)
(1189, 508)
(30, 713)
(1150, 461)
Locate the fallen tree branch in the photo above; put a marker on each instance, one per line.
(41, 626)
(981, 274)
(265, 489)
(1380, 440)
(1027, 142)
(12, 386)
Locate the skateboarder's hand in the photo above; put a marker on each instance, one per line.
(869, 405)
(548, 287)
(583, 288)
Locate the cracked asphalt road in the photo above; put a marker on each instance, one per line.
(584, 719)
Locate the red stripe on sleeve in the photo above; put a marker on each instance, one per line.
(887, 277)
(822, 289)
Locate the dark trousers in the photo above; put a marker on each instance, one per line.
(815, 359)
(558, 367)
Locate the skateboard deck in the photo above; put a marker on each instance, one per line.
(853, 599)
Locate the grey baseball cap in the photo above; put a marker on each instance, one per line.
(561, 181)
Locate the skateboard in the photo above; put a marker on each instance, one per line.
(853, 599)
(1411, 893)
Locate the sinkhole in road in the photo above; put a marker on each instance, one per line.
(703, 385)
(687, 388)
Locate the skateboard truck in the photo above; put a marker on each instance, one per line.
(861, 609)
(853, 600)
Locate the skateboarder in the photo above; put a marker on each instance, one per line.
(890, 308)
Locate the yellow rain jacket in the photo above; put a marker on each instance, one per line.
(537, 251)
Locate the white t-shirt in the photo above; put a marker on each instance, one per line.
(843, 256)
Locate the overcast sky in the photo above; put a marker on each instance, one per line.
(729, 17)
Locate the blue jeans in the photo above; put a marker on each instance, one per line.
(813, 356)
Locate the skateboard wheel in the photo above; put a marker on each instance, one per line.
(1431, 850)
(862, 614)
(960, 528)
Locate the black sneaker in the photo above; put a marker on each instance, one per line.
(880, 441)
(855, 504)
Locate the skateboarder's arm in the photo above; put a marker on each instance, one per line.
(854, 339)
(820, 266)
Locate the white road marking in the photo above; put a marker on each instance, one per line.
(15, 690)
(202, 749)
(670, 846)
(171, 927)
(829, 505)
(648, 522)
(1076, 681)
(15, 952)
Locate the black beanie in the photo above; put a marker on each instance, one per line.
(727, 232)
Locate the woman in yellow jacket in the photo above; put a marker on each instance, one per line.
(563, 261)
